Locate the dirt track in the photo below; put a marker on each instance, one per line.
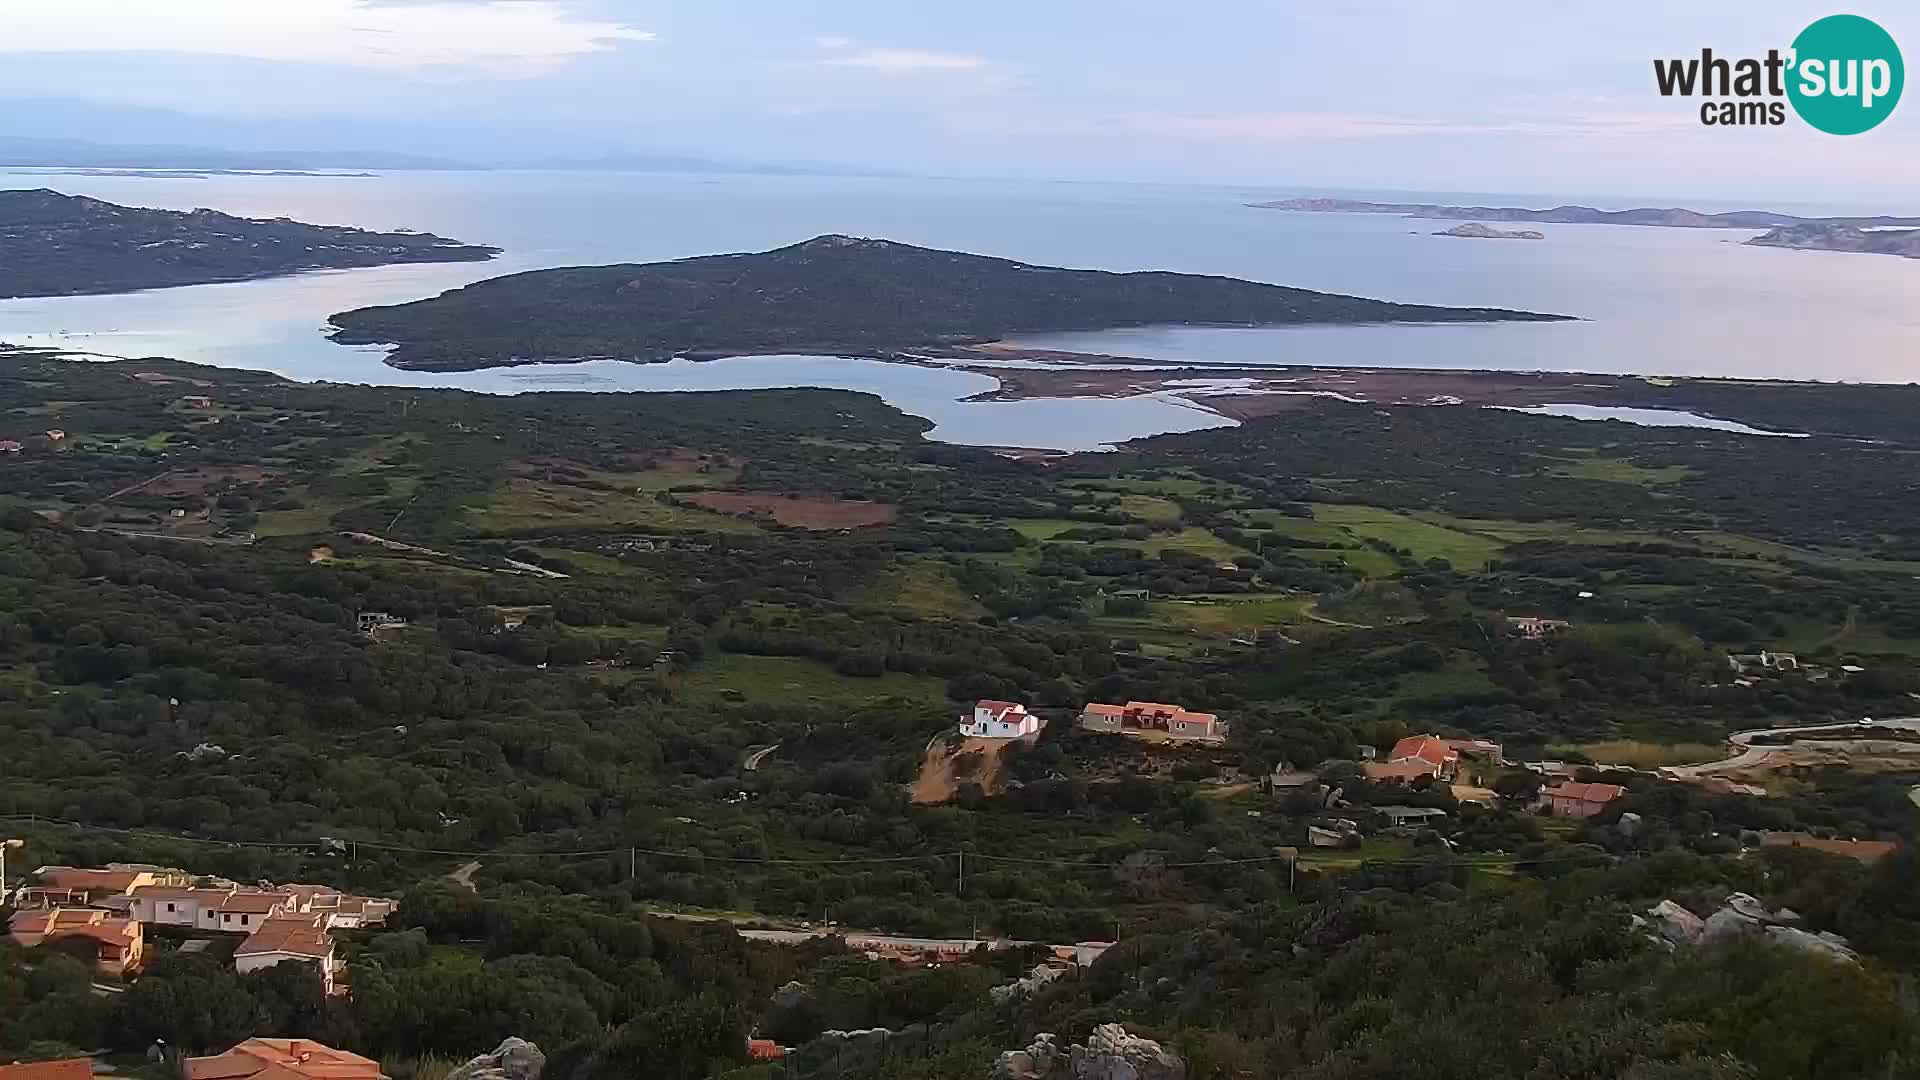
(943, 770)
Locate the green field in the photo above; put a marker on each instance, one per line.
(1042, 528)
(314, 517)
(1165, 484)
(1563, 532)
(1226, 614)
(1644, 755)
(794, 680)
(1425, 539)
(525, 505)
(586, 562)
(1196, 540)
(922, 587)
(1619, 471)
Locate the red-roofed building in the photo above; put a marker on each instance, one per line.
(765, 1050)
(290, 937)
(1152, 718)
(115, 943)
(999, 720)
(55, 885)
(282, 1059)
(63, 1069)
(1430, 750)
(1573, 799)
(1397, 772)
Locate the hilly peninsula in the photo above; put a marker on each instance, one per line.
(1820, 237)
(64, 245)
(831, 294)
(1669, 217)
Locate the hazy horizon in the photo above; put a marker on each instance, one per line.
(1381, 95)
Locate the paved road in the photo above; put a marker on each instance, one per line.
(754, 759)
(1751, 755)
(861, 939)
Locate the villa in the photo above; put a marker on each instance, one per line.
(1152, 719)
(999, 720)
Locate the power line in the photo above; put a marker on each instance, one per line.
(1494, 862)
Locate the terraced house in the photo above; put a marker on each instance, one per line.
(1152, 719)
(281, 922)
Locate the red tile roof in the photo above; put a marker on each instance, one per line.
(1425, 747)
(1397, 770)
(765, 1050)
(64, 1069)
(255, 903)
(30, 928)
(83, 880)
(1587, 793)
(294, 936)
(282, 1059)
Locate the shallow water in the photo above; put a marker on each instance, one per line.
(1669, 301)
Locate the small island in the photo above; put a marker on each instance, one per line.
(1477, 231)
(1664, 217)
(830, 295)
(1818, 237)
(67, 245)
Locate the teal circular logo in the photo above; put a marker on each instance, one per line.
(1846, 76)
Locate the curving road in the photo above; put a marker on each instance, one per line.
(1751, 755)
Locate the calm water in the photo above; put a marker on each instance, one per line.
(1657, 301)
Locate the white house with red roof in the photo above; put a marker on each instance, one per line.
(999, 720)
(1429, 754)
(1571, 799)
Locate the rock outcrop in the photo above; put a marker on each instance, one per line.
(1477, 231)
(1035, 980)
(1110, 1053)
(514, 1059)
(1033, 1063)
(1743, 916)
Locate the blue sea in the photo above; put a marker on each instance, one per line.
(1651, 301)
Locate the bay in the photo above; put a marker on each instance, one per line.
(1652, 301)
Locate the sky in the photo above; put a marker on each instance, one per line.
(1467, 95)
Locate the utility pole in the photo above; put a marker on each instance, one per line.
(961, 888)
(633, 864)
(4, 845)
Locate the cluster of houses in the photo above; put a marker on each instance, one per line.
(1534, 628)
(1430, 759)
(1152, 720)
(254, 1059)
(52, 436)
(1749, 668)
(108, 911)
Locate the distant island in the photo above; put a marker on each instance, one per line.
(66, 245)
(1478, 231)
(1671, 217)
(1823, 237)
(831, 294)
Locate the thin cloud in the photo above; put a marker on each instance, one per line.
(499, 36)
(831, 41)
(1282, 127)
(904, 61)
